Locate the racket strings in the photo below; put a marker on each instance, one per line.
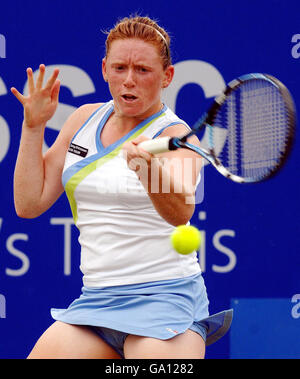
(256, 119)
(263, 128)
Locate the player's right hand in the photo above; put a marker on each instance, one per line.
(41, 102)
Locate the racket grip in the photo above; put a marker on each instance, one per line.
(156, 146)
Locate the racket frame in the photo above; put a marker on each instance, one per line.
(207, 120)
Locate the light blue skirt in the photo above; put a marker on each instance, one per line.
(161, 309)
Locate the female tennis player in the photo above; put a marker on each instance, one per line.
(140, 298)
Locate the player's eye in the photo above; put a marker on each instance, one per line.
(142, 69)
(119, 68)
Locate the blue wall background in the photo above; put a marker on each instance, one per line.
(251, 235)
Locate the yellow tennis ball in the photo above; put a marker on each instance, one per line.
(185, 239)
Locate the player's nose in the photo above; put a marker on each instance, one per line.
(129, 81)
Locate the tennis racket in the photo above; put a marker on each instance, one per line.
(249, 130)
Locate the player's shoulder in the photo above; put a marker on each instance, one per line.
(81, 114)
(77, 119)
(86, 110)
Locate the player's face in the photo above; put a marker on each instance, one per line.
(135, 74)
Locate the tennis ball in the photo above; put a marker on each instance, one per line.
(185, 239)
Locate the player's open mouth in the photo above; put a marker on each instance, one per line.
(129, 98)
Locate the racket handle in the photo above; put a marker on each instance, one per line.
(156, 146)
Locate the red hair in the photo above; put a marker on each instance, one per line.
(145, 29)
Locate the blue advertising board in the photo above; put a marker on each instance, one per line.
(250, 234)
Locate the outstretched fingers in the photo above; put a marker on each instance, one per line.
(52, 79)
(40, 78)
(31, 87)
(51, 88)
(30, 80)
(18, 95)
(55, 91)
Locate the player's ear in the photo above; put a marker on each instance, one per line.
(104, 69)
(168, 76)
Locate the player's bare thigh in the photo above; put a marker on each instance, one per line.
(188, 345)
(64, 341)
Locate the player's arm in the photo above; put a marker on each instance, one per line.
(37, 177)
(170, 178)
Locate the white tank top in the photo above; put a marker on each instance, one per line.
(123, 238)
